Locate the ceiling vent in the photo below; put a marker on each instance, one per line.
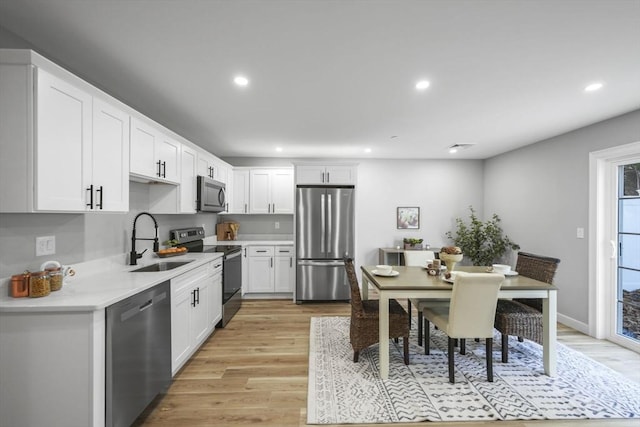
(459, 147)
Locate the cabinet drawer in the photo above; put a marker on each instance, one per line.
(284, 251)
(187, 279)
(261, 250)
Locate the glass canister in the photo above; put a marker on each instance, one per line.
(56, 277)
(39, 284)
(20, 285)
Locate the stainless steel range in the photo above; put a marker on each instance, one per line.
(192, 239)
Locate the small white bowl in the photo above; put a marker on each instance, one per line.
(384, 269)
(501, 268)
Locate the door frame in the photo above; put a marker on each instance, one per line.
(603, 230)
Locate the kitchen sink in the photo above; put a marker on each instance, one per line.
(161, 266)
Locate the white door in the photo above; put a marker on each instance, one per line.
(284, 274)
(199, 312)
(614, 261)
(260, 191)
(282, 192)
(260, 274)
(142, 151)
(187, 188)
(63, 145)
(110, 158)
(240, 196)
(168, 154)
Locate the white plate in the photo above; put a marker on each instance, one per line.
(507, 274)
(393, 273)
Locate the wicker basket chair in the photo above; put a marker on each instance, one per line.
(523, 317)
(364, 318)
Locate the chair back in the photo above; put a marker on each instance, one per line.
(418, 258)
(356, 298)
(473, 305)
(537, 267)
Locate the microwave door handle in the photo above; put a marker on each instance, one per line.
(221, 197)
(322, 224)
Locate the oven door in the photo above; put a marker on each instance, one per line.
(231, 275)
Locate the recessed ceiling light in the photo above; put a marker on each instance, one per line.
(241, 81)
(593, 87)
(453, 150)
(457, 147)
(367, 150)
(279, 149)
(422, 84)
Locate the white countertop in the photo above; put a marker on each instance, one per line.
(100, 284)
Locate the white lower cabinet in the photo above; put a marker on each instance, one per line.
(270, 269)
(196, 303)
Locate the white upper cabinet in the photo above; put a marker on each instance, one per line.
(62, 148)
(63, 144)
(240, 194)
(271, 191)
(154, 156)
(188, 180)
(212, 167)
(326, 174)
(110, 158)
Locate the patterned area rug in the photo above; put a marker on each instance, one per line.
(343, 392)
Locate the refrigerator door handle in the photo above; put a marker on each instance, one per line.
(329, 223)
(321, 263)
(322, 224)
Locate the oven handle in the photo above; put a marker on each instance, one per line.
(233, 255)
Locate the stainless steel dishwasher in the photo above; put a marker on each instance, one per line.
(138, 353)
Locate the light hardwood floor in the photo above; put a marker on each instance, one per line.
(254, 372)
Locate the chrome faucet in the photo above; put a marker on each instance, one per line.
(134, 256)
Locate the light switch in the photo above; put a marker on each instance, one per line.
(277, 225)
(45, 245)
(580, 233)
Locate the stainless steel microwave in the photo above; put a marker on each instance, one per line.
(211, 195)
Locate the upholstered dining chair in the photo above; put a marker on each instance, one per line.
(420, 259)
(469, 315)
(365, 318)
(523, 317)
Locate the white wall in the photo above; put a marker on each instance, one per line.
(442, 189)
(541, 193)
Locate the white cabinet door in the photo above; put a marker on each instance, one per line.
(310, 174)
(142, 152)
(282, 191)
(188, 174)
(326, 174)
(153, 155)
(260, 191)
(260, 274)
(271, 191)
(205, 165)
(215, 301)
(199, 324)
(167, 156)
(110, 158)
(181, 342)
(284, 271)
(240, 196)
(64, 120)
(341, 175)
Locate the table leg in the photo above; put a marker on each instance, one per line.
(383, 334)
(549, 333)
(365, 287)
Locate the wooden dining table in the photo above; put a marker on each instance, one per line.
(414, 282)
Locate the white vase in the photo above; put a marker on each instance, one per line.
(450, 260)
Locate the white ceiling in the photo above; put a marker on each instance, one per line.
(331, 78)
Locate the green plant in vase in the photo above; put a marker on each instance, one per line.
(482, 242)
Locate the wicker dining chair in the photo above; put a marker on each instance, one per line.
(523, 317)
(365, 318)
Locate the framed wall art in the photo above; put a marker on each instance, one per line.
(408, 218)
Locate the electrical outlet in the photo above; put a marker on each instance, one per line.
(277, 225)
(580, 233)
(45, 245)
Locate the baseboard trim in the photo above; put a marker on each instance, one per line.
(573, 323)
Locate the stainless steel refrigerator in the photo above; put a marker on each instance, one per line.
(324, 236)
